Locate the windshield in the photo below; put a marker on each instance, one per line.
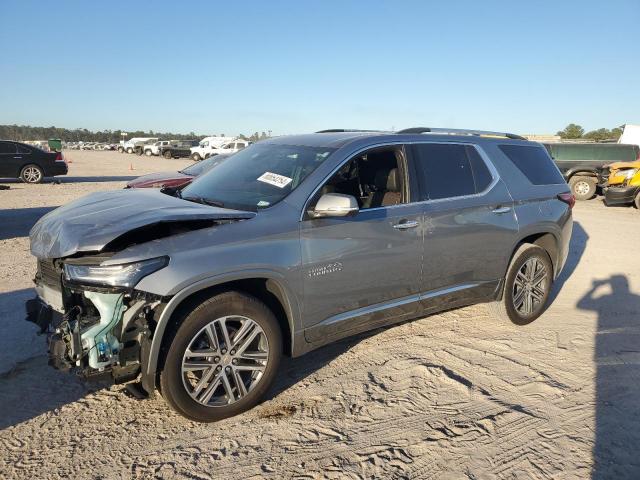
(205, 165)
(257, 177)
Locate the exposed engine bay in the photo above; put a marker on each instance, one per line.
(98, 331)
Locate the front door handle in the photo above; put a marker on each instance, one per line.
(501, 210)
(404, 224)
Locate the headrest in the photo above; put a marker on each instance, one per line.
(388, 180)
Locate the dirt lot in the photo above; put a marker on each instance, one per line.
(458, 395)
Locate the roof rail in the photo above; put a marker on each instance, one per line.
(342, 130)
(457, 131)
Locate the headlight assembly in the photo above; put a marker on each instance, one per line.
(627, 174)
(126, 275)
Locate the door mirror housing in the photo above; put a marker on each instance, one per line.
(334, 205)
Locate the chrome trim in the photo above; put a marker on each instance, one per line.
(395, 303)
(501, 210)
(483, 155)
(405, 225)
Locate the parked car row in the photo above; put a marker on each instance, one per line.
(196, 150)
(89, 146)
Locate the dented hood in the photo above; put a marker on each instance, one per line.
(93, 221)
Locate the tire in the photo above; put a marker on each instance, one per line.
(120, 149)
(508, 308)
(129, 150)
(148, 153)
(583, 188)
(636, 202)
(196, 157)
(179, 386)
(31, 174)
(167, 155)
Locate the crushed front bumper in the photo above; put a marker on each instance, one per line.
(96, 334)
(620, 195)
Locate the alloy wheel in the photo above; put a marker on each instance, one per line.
(530, 286)
(32, 174)
(224, 361)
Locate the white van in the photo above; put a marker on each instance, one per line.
(207, 145)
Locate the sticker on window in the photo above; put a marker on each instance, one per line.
(274, 179)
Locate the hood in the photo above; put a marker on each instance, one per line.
(170, 179)
(619, 165)
(93, 221)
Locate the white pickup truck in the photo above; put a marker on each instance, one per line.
(154, 149)
(209, 146)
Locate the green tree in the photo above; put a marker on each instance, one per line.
(571, 131)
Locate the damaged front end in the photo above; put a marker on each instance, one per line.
(97, 324)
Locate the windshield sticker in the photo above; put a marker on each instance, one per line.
(274, 179)
(262, 203)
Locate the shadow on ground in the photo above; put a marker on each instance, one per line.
(17, 222)
(73, 179)
(617, 358)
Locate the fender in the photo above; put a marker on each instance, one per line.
(586, 170)
(290, 304)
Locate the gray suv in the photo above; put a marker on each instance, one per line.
(293, 243)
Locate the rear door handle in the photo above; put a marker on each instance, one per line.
(404, 224)
(501, 210)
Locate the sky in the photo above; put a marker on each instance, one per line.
(298, 66)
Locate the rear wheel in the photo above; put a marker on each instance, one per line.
(527, 286)
(148, 153)
(167, 154)
(31, 174)
(129, 150)
(120, 149)
(583, 188)
(636, 202)
(223, 358)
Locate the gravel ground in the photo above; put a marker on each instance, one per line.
(457, 395)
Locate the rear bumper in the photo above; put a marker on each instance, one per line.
(58, 168)
(620, 195)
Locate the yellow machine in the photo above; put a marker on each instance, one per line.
(619, 172)
(628, 191)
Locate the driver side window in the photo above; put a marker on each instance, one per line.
(375, 178)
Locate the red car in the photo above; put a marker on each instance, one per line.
(181, 178)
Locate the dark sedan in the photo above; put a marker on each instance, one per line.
(29, 163)
(178, 179)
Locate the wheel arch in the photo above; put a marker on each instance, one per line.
(266, 287)
(582, 171)
(544, 239)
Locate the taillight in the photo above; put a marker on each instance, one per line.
(59, 157)
(567, 198)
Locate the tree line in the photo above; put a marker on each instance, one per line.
(26, 132)
(574, 131)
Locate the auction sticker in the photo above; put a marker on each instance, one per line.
(274, 179)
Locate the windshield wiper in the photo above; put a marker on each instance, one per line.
(204, 201)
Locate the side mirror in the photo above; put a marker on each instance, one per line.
(335, 205)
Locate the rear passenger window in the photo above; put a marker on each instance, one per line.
(7, 148)
(447, 170)
(534, 163)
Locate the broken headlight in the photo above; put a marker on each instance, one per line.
(126, 275)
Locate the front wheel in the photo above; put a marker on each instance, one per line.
(148, 153)
(583, 188)
(527, 286)
(196, 157)
(167, 155)
(223, 358)
(31, 174)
